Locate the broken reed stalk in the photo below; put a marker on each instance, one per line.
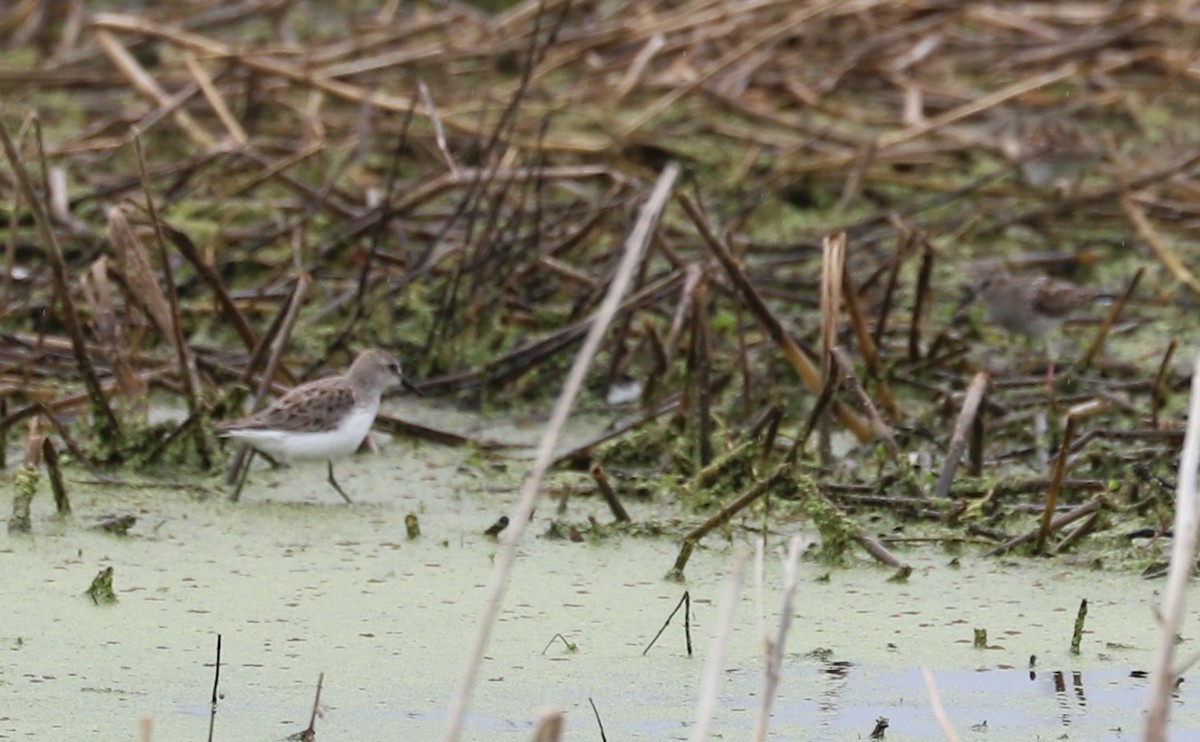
(1060, 470)
(212, 705)
(1076, 535)
(634, 247)
(963, 430)
(1183, 559)
(714, 664)
(104, 422)
(550, 725)
(808, 373)
(310, 734)
(264, 386)
(876, 549)
(975, 446)
(26, 480)
(610, 497)
(757, 490)
(1077, 632)
(61, 503)
(833, 264)
(1110, 319)
(774, 649)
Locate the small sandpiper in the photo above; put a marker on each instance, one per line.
(1030, 305)
(323, 419)
(1053, 152)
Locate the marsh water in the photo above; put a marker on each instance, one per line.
(298, 583)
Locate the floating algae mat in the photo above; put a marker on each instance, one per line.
(297, 583)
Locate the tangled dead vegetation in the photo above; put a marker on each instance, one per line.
(186, 192)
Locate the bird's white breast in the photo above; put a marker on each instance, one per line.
(335, 443)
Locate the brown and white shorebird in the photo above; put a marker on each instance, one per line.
(1032, 304)
(1052, 150)
(326, 419)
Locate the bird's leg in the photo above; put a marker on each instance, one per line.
(337, 486)
(242, 475)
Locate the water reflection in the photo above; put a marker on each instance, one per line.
(828, 699)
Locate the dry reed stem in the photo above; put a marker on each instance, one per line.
(935, 704)
(867, 346)
(635, 246)
(216, 100)
(714, 664)
(877, 550)
(149, 87)
(833, 265)
(609, 495)
(62, 503)
(1159, 393)
(188, 250)
(845, 366)
(187, 370)
(962, 430)
(97, 292)
(550, 725)
(1056, 479)
(703, 367)
(1183, 557)
(1110, 319)
(727, 511)
(1167, 256)
(775, 648)
(981, 104)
